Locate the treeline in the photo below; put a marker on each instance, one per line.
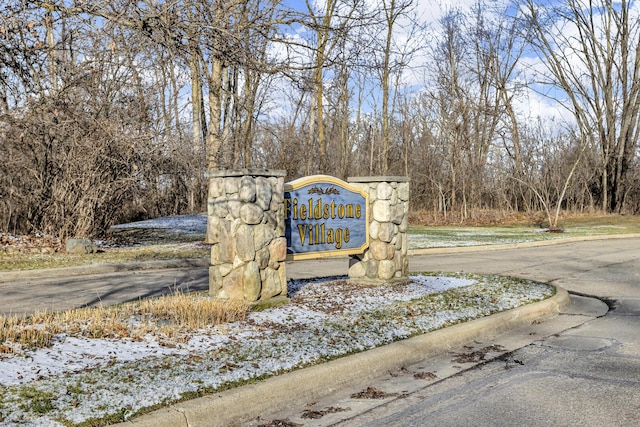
(114, 110)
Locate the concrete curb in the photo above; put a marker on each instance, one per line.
(304, 385)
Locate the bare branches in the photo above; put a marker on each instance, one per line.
(116, 108)
(590, 51)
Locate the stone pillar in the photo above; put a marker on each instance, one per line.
(246, 230)
(386, 259)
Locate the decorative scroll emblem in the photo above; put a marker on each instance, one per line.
(318, 190)
(325, 216)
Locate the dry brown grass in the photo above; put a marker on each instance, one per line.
(476, 217)
(170, 318)
(22, 332)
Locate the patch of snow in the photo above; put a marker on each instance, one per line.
(188, 224)
(71, 354)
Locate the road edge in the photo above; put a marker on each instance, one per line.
(106, 268)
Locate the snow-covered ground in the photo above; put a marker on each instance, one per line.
(187, 224)
(77, 379)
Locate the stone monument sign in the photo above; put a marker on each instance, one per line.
(256, 222)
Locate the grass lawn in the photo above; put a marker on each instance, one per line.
(32, 261)
(421, 237)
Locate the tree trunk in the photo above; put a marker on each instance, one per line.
(214, 137)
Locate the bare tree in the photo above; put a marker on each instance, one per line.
(72, 164)
(591, 51)
(552, 160)
(468, 102)
(394, 53)
(330, 27)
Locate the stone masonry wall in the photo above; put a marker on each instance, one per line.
(246, 229)
(386, 259)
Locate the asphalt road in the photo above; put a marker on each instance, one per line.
(64, 289)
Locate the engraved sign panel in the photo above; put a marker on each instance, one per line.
(325, 216)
